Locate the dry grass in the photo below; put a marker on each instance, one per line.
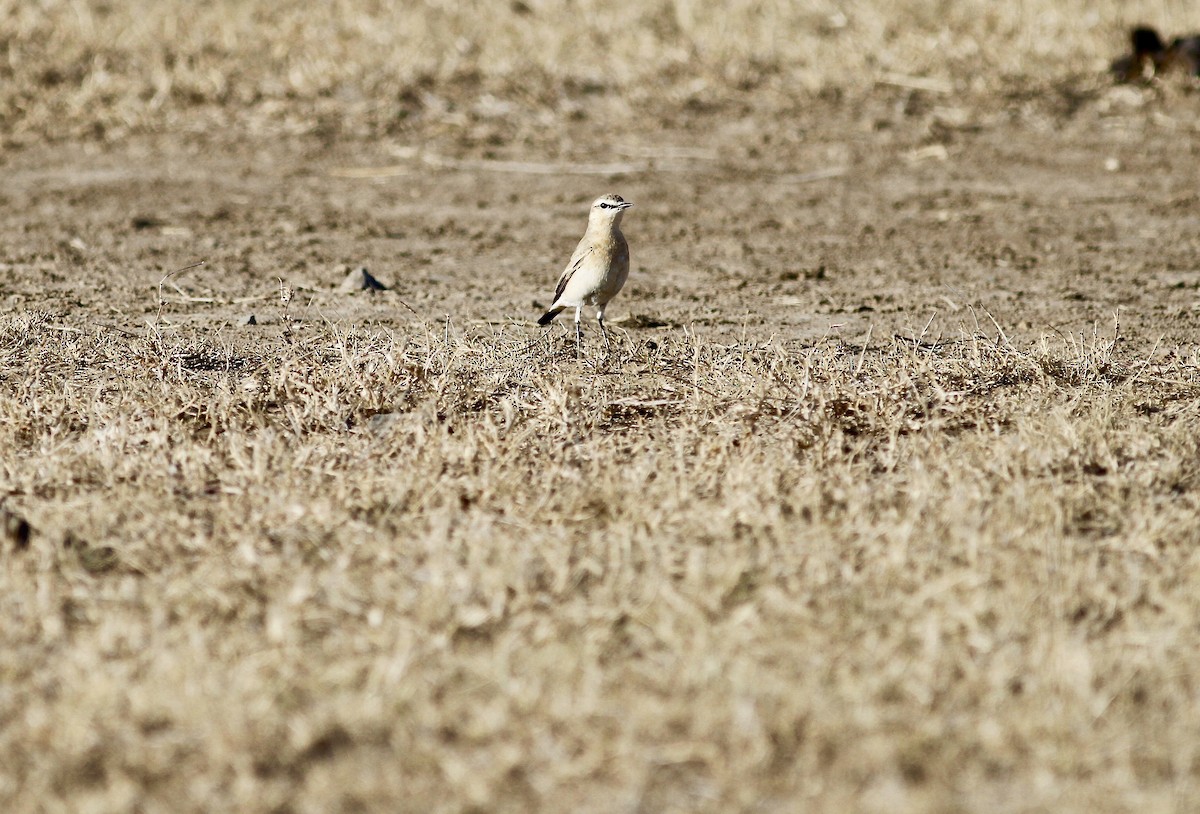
(319, 568)
(445, 571)
(78, 68)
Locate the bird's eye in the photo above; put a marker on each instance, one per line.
(605, 205)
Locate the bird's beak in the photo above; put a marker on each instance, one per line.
(625, 205)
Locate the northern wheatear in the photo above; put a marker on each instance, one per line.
(598, 267)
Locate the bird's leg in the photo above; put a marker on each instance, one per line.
(603, 332)
(578, 332)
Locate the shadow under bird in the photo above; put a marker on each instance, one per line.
(598, 268)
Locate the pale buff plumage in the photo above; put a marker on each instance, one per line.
(599, 266)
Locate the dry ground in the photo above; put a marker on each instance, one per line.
(884, 500)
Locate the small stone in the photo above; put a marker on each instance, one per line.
(98, 559)
(473, 617)
(94, 559)
(360, 279)
(381, 423)
(250, 320)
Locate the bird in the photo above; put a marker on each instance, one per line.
(1151, 56)
(598, 268)
(1148, 50)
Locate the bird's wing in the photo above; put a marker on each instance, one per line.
(581, 253)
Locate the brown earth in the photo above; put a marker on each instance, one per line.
(239, 604)
(901, 212)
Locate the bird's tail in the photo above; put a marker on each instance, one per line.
(549, 315)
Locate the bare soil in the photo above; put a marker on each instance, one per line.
(738, 564)
(899, 212)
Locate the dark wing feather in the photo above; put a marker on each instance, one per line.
(570, 272)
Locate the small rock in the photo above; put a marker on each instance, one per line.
(99, 559)
(94, 559)
(250, 320)
(381, 423)
(930, 152)
(473, 617)
(361, 280)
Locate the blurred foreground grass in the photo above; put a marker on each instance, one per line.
(459, 571)
(70, 68)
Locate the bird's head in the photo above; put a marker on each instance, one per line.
(1145, 40)
(608, 209)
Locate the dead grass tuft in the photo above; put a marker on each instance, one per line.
(77, 69)
(689, 573)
